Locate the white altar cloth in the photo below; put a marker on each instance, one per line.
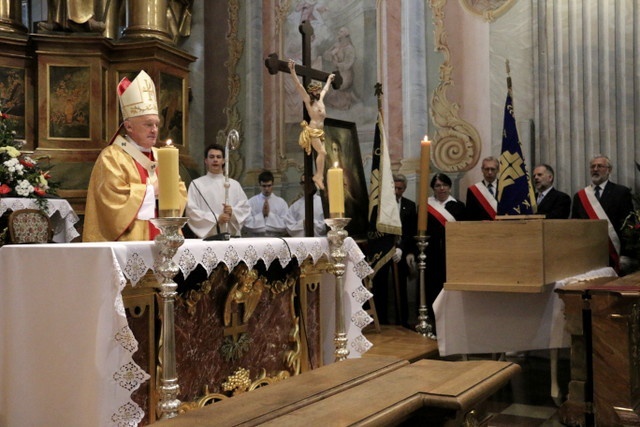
(65, 346)
(63, 217)
(471, 322)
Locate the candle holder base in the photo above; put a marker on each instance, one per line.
(166, 269)
(424, 326)
(336, 236)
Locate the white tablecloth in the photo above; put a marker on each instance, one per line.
(63, 217)
(65, 346)
(471, 322)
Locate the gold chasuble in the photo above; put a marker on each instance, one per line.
(116, 191)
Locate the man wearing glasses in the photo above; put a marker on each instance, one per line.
(603, 199)
(482, 202)
(267, 211)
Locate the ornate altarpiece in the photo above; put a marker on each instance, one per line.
(59, 90)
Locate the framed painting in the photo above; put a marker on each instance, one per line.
(12, 99)
(69, 102)
(343, 149)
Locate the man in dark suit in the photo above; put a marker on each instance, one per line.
(603, 199)
(481, 203)
(406, 246)
(552, 203)
(402, 261)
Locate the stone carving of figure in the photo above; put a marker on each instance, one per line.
(74, 16)
(179, 14)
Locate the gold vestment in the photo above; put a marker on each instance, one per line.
(116, 191)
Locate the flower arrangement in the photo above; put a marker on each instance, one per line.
(20, 175)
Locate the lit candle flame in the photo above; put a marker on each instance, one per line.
(169, 142)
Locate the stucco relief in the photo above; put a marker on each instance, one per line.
(457, 143)
(490, 10)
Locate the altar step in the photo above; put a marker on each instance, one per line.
(400, 342)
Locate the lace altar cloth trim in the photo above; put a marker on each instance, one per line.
(134, 259)
(63, 217)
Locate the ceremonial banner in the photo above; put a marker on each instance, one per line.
(515, 192)
(384, 217)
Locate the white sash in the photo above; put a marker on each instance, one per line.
(442, 211)
(138, 156)
(490, 198)
(599, 211)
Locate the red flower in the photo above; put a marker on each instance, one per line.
(4, 115)
(5, 189)
(26, 163)
(39, 191)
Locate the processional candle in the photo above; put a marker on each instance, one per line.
(168, 181)
(425, 159)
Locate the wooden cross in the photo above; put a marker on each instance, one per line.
(274, 65)
(236, 329)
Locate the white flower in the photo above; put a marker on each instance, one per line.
(24, 188)
(11, 151)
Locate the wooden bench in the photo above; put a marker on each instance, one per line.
(371, 391)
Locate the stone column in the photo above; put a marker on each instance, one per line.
(147, 19)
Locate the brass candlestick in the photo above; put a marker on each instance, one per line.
(168, 243)
(336, 237)
(424, 326)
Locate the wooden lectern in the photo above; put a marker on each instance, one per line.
(522, 255)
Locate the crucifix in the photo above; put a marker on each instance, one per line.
(274, 65)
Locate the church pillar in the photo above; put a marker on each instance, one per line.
(11, 17)
(147, 19)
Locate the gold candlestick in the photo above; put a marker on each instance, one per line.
(424, 326)
(166, 269)
(336, 237)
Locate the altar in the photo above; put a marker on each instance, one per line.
(64, 339)
(63, 217)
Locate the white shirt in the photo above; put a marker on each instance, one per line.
(271, 225)
(294, 220)
(210, 197)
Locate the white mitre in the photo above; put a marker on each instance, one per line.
(138, 97)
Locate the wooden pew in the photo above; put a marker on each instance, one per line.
(371, 391)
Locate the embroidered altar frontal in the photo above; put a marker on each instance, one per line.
(235, 330)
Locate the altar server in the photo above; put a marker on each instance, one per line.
(267, 210)
(294, 220)
(207, 208)
(123, 187)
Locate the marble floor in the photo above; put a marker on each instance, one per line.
(526, 400)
